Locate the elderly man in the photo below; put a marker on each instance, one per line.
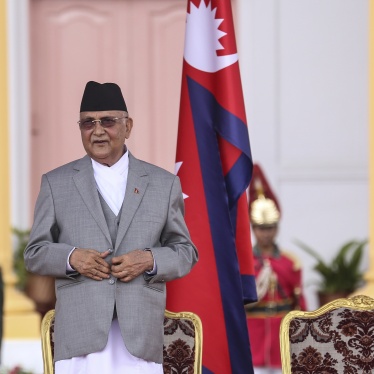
(110, 229)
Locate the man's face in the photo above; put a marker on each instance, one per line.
(105, 144)
(265, 235)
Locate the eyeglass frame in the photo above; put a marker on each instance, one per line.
(100, 121)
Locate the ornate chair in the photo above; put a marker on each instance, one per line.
(336, 338)
(183, 343)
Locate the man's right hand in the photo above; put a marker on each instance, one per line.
(90, 263)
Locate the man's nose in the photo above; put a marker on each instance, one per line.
(98, 129)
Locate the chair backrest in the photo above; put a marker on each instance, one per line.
(47, 332)
(336, 338)
(183, 342)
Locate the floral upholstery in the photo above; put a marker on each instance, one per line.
(339, 338)
(179, 346)
(182, 343)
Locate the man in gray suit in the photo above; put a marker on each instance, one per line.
(110, 228)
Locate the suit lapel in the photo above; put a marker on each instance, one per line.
(86, 185)
(137, 182)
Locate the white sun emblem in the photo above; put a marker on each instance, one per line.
(202, 40)
(177, 167)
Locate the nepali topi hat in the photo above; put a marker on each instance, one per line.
(102, 96)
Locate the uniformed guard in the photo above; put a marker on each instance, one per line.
(278, 279)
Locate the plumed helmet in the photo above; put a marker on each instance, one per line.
(264, 212)
(263, 205)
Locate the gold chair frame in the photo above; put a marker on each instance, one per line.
(359, 302)
(194, 318)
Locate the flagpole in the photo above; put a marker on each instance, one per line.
(368, 289)
(369, 276)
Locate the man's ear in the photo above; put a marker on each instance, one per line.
(129, 124)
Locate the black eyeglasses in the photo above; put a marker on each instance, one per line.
(106, 122)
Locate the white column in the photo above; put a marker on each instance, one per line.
(20, 320)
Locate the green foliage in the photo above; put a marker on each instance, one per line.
(343, 273)
(22, 237)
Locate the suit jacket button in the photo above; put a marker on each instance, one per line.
(111, 281)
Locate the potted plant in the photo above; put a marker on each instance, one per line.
(22, 237)
(343, 275)
(39, 288)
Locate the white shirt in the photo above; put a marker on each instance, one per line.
(111, 181)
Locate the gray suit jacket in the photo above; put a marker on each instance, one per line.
(68, 214)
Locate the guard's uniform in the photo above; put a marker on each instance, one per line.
(278, 279)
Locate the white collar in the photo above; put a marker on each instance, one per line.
(111, 181)
(119, 167)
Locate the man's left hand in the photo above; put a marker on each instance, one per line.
(130, 265)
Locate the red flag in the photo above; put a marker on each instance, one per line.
(215, 166)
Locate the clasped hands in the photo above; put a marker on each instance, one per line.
(92, 264)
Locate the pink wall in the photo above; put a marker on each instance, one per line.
(135, 43)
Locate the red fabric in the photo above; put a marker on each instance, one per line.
(264, 329)
(264, 336)
(213, 153)
(259, 180)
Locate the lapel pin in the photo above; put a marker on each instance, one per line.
(136, 190)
